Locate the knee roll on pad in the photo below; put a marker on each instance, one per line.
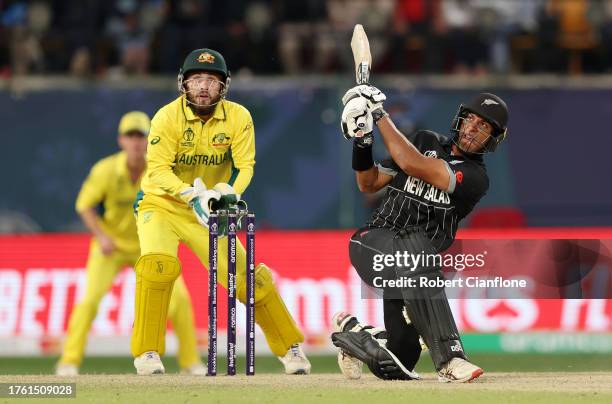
(271, 314)
(264, 284)
(157, 267)
(155, 276)
(427, 308)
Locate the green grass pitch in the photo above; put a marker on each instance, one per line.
(575, 378)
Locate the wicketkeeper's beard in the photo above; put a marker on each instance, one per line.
(202, 109)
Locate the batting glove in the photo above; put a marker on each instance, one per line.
(200, 199)
(356, 122)
(373, 95)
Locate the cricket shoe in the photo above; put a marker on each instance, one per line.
(350, 367)
(295, 361)
(149, 363)
(459, 370)
(66, 369)
(366, 346)
(195, 370)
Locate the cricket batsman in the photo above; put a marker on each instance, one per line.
(113, 183)
(201, 150)
(432, 182)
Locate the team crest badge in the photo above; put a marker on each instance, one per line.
(206, 58)
(489, 101)
(220, 139)
(147, 216)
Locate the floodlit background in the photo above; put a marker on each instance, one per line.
(70, 68)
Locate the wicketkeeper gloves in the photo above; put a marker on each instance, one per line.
(200, 199)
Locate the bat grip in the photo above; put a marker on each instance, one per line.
(363, 73)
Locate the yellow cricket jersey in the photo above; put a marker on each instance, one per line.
(109, 184)
(182, 147)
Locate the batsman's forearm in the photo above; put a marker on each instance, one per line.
(366, 180)
(405, 155)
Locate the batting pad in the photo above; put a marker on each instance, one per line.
(428, 308)
(155, 276)
(271, 314)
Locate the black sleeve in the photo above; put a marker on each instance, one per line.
(470, 183)
(388, 166)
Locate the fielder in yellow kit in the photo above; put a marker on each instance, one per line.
(201, 148)
(114, 181)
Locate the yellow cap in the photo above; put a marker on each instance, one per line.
(135, 121)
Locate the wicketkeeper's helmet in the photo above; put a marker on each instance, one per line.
(205, 60)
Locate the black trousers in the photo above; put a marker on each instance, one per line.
(402, 338)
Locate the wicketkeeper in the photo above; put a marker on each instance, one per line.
(432, 183)
(113, 183)
(201, 150)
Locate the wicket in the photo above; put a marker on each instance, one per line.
(213, 225)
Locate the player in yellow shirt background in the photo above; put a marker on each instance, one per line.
(114, 182)
(201, 148)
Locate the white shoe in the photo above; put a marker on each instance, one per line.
(149, 363)
(459, 370)
(66, 369)
(195, 370)
(350, 367)
(295, 361)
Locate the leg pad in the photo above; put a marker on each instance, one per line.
(155, 276)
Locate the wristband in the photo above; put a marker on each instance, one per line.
(378, 114)
(362, 157)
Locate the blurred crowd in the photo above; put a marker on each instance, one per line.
(135, 37)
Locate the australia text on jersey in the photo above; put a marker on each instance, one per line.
(203, 159)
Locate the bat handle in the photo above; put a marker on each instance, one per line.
(363, 73)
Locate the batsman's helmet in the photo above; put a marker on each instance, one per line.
(492, 109)
(205, 60)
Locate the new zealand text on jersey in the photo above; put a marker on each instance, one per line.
(204, 159)
(426, 191)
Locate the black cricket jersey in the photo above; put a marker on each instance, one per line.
(410, 202)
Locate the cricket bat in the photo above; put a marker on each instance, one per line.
(361, 53)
